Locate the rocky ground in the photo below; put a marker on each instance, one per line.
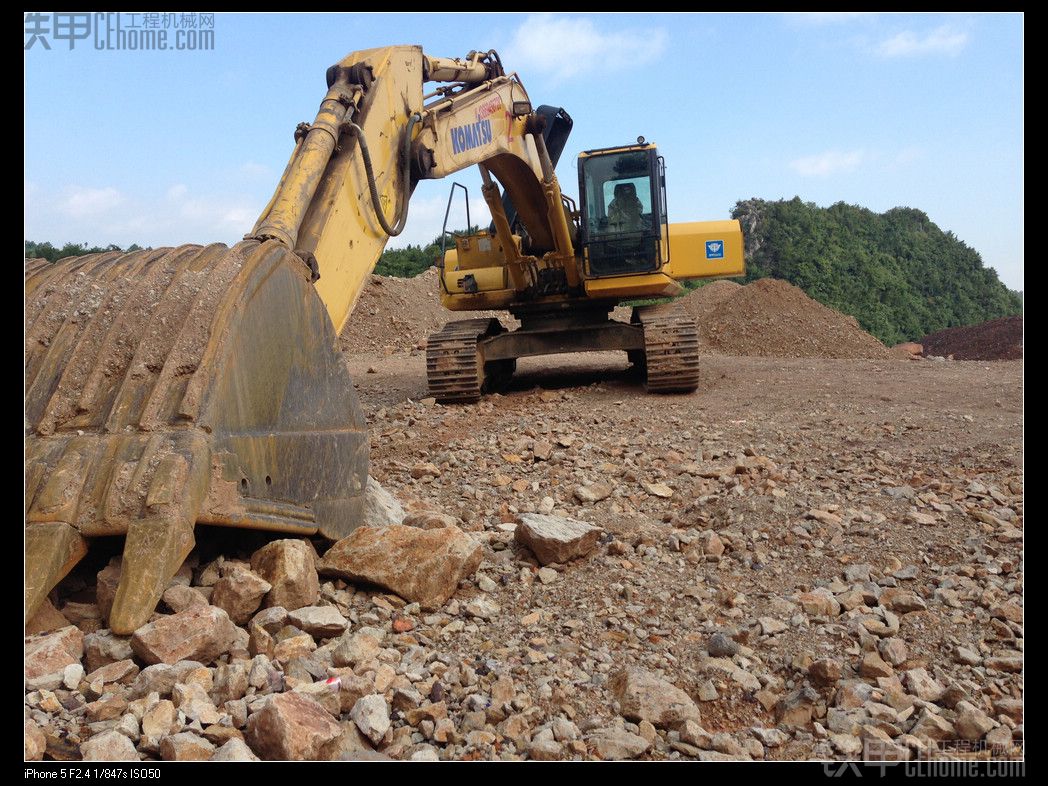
(808, 558)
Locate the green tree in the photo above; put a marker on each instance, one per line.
(896, 272)
(408, 262)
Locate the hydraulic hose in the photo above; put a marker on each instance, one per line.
(405, 165)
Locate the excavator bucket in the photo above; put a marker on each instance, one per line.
(176, 386)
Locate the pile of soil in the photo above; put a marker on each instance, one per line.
(998, 339)
(773, 318)
(395, 314)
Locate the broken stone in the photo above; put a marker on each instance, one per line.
(422, 566)
(104, 646)
(796, 708)
(290, 567)
(34, 742)
(770, 626)
(322, 622)
(46, 620)
(380, 507)
(922, 685)
(358, 647)
(239, 594)
(179, 597)
(235, 749)
(200, 633)
(825, 671)
(972, 723)
(932, 727)
(658, 490)
(193, 701)
(720, 646)
(185, 746)
(644, 696)
(893, 650)
(593, 493)
(902, 601)
(371, 715)
(108, 746)
(425, 470)
(49, 653)
(874, 666)
(290, 727)
(819, 603)
(617, 744)
(556, 539)
(158, 722)
(544, 750)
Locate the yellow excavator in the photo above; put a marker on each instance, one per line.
(203, 384)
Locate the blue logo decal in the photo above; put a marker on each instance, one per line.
(714, 249)
(469, 136)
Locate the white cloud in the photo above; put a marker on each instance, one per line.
(80, 202)
(168, 215)
(564, 47)
(943, 40)
(831, 162)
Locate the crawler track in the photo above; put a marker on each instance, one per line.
(454, 369)
(671, 346)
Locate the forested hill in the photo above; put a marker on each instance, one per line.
(896, 272)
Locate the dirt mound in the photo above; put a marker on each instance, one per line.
(706, 298)
(773, 318)
(998, 339)
(399, 314)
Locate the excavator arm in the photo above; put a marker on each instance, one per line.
(203, 384)
(346, 189)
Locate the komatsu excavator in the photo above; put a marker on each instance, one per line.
(204, 384)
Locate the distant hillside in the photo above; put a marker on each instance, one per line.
(897, 273)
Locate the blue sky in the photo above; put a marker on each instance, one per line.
(879, 110)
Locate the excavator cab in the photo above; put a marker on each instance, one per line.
(622, 193)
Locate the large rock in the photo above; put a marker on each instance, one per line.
(240, 594)
(200, 633)
(380, 507)
(323, 622)
(49, 653)
(422, 566)
(234, 749)
(922, 685)
(103, 647)
(556, 539)
(46, 619)
(159, 721)
(290, 566)
(618, 744)
(34, 742)
(291, 727)
(108, 746)
(371, 715)
(185, 746)
(644, 697)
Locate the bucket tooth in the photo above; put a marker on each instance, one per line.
(153, 552)
(52, 549)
